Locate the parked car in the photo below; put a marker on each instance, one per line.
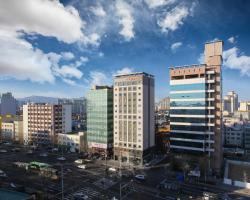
(82, 166)
(61, 158)
(140, 177)
(2, 174)
(79, 161)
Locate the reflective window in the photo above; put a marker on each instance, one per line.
(185, 87)
(190, 120)
(188, 112)
(187, 103)
(188, 95)
(189, 128)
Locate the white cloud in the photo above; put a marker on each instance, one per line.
(69, 81)
(175, 46)
(174, 19)
(157, 3)
(67, 55)
(234, 60)
(126, 20)
(98, 11)
(98, 78)
(48, 18)
(19, 60)
(68, 72)
(201, 58)
(125, 70)
(231, 40)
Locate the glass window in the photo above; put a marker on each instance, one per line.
(185, 87)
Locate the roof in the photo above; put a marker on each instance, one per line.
(135, 73)
(187, 66)
(13, 195)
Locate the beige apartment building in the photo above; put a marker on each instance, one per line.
(11, 128)
(43, 122)
(196, 108)
(134, 130)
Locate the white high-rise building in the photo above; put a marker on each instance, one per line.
(134, 130)
(43, 122)
(230, 102)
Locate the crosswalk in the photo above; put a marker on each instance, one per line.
(88, 194)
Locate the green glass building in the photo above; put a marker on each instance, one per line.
(100, 119)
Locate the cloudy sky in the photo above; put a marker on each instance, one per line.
(61, 48)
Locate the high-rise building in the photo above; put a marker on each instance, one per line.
(134, 131)
(43, 122)
(230, 102)
(78, 104)
(100, 119)
(196, 108)
(163, 104)
(8, 104)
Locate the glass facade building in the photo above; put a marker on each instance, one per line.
(100, 118)
(196, 107)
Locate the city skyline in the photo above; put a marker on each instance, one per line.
(90, 46)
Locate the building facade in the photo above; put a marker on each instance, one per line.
(163, 104)
(134, 130)
(75, 141)
(100, 119)
(233, 133)
(196, 108)
(11, 128)
(43, 122)
(230, 102)
(8, 104)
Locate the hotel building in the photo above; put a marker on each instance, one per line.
(196, 108)
(100, 119)
(134, 130)
(43, 122)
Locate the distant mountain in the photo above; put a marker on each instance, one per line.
(39, 99)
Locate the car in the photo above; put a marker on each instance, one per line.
(2, 174)
(43, 154)
(147, 165)
(111, 169)
(61, 158)
(29, 152)
(3, 151)
(82, 166)
(140, 177)
(78, 161)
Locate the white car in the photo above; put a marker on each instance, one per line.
(61, 158)
(3, 151)
(79, 161)
(140, 177)
(2, 174)
(111, 169)
(43, 154)
(82, 166)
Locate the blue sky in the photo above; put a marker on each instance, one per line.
(61, 48)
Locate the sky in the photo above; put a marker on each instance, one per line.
(62, 48)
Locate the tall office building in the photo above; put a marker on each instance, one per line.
(43, 122)
(8, 104)
(196, 108)
(134, 131)
(230, 102)
(100, 119)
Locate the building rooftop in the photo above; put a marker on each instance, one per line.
(135, 73)
(187, 66)
(209, 42)
(100, 87)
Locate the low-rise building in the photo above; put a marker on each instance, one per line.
(75, 141)
(11, 128)
(234, 133)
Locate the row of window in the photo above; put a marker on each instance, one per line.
(188, 95)
(188, 112)
(190, 128)
(186, 87)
